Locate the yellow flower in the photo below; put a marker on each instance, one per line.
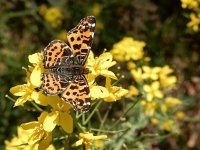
(99, 66)
(59, 115)
(43, 9)
(137, 74)
(154, 120)
(149, 107)
(172, 101)
(27, 91)
(133, 91)
(51, 15)
(153, 91)
(189, 3)
(128, 49)
(98, 92)
(180, 114)
(195, 21)
(62, 35)
(37, 133)
(165, 79)
(115, 92)
(131, 65)
(151, 73)
(96, 9)
(21, 141)
(88, 140)
(168, 125)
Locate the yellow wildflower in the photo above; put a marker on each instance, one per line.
(37, 133)
(153, 90)
(154, 120)
(21, 141)
(165, 79)
(99, 66)
(115, 92)
(180, 114)
(27, 91)
(133, 91)
(96, 9)
(51, 15)
(150, 72)
(137, 74)
(172, 101)
(131, 65)
(88, 140)
(59, 115)
(149, 107)
(98, 92)
(189, 3)
(195, 21)
(128, 49)
(62, 35)
(168, 125)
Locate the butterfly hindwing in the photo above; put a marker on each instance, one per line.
(78, 94)
(55, 53)
(80, 38)
(53, 84)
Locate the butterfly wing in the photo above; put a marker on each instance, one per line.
(53, 84)
(80, 38)
(55, 53)
(78, 94)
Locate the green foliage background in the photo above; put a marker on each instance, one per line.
(161, 24)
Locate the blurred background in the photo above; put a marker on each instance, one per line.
(27, 27)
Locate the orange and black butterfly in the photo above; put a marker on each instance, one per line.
(65, 66)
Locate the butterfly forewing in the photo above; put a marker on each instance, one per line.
(55, 53)
(78, 94)
(81, 37)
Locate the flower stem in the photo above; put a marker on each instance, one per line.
(37, 107)
(125, 113)
(92, 113)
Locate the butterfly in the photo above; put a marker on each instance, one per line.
(65, 66)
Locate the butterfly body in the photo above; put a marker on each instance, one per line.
(65, 69)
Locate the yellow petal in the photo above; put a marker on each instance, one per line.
(108, 74)
(50, 121)
(35, 137)
(98, 92)
(35, 77)
(20, 101)
(45, 142)
(34, 58)
(19, 90)
(30, 125)
(155, 85)
(146, 88)
(42, 116)
(66, 122)
(78, 143)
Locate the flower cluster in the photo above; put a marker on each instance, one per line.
(152, 82)
(40, 132)
(193, 6)
(51, 15)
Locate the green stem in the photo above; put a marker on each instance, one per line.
(104, 118)
(10, 98)
(107, 131)
(133, 105)
(77, 125)
(92, 113)
(60, 138)
(37, 107)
